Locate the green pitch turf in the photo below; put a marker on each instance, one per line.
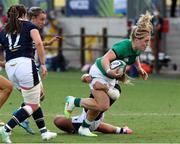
(151, 108)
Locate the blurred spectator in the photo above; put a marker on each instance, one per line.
(157, 22)
(3, 18)
(56, 59)
(173, 8)
(50, 30)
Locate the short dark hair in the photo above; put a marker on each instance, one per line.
(34, 12)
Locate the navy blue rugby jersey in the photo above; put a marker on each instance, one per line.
(18, 45)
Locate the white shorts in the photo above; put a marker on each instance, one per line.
(98, 76)
(77, 121)
(22, 72)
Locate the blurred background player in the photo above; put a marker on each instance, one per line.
(127, 50)
(17, 39)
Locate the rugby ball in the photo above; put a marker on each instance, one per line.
(119, 65)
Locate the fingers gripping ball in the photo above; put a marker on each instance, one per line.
(118, 65)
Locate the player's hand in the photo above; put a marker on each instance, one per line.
(113, 73)
(86, 78)
(143, 73)
(55, 38)
(58, 37)
(43, 71)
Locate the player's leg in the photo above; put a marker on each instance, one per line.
(25, 124)
(30, 89)
(38, 113)
(88, 103)
(34, 98)
(64, 124)
(6, 88)
(108, 128)
(72, 102)
(23, 112)
(104, 103)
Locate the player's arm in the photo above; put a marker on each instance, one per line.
(108, 128)
(51, 41)
(114, 93)
(40, 50)
(140, 69)
(87, 78)
(108, 57)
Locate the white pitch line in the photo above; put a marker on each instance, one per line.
(144, 114)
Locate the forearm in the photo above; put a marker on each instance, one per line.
(106, 128)
(138, 63)
(41, 53)
(51, 41)
(110, 56)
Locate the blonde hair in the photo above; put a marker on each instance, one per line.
(142, 27)
(125, 79)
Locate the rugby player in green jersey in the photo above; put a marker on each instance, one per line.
(127, 50)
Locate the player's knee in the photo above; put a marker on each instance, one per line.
(28, 109)
(34, 107)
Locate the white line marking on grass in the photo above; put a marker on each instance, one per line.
(145, 114)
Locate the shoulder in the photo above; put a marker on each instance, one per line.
(29, 25)
(123, 43)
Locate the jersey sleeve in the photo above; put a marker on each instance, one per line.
(122, 49)
(31, 26)
(118, 50)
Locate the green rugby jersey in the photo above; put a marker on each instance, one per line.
(123, 51)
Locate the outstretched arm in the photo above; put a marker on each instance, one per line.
(108, 128)
(86, 78)
(142, 72)
(51, 41)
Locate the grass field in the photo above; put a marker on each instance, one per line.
(151, 108)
